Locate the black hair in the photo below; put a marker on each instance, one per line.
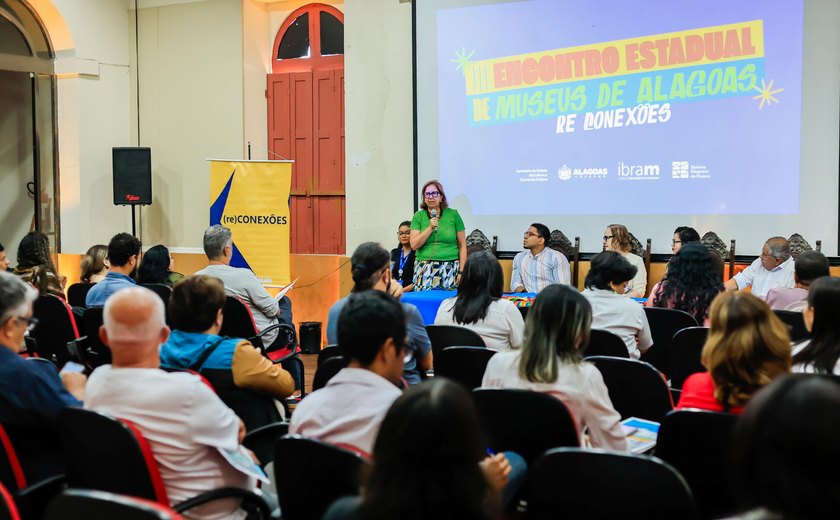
(403, 223)
(823, 351)
(367, 260)
(784, 449)
(691, 282)
(367, 320)
(542, 231)
(608, 267)
(195, 303)
(154, 268)
(481, 284)
(438, 478)
(34, 251)
(687, 234)
(121, 248)
(810, 265)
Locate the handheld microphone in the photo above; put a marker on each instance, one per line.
(433, 212)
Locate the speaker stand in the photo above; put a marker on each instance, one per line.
(133, 222)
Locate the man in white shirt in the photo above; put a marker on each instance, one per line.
(774, 268)
(181, 417)
(538, 266)
(349, 410)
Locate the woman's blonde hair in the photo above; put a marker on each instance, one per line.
(748, 347)
(93, 262)
(620, 238)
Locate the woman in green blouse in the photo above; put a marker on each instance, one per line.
(437, 236)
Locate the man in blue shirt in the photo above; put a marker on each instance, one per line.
(31, 394)
(124, 256)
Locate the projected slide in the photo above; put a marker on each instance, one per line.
(616, 107)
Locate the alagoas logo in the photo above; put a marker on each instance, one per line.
(564, 173)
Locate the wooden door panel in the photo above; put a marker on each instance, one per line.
(279, 108)
(329, 225)
(302, 219)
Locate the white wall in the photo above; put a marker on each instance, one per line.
(378, 120)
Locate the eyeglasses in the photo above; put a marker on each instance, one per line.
(403, 233)
(607, 237)
(407, 353)
(529, 234)
(31, 321)
(431, 194)
(675, 242)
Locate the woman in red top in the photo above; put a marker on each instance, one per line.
(748, 347)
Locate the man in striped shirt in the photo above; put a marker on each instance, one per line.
(538, 266)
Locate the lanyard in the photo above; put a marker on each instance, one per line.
(403, 260)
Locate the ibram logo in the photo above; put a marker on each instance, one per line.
(564, 173)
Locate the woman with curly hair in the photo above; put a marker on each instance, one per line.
(747, 348)
(36, 267)
(690, 284)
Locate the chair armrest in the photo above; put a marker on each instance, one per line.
(248, 498)
(33, 500)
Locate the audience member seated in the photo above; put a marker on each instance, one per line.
(609, 273)
(348, 411)
(4, 260)
(242, 283)
(747, 348)
(774, 268)
(821, 353)
(195, 312)
(183, 420)
(429, 461)
(785, 451)
(690, 284)
(402, 258)
(156, 267)
(617, 238)
(370, 268)
(124, 255)
(550, 362)
(683, 235)
(807, 267)
(35, 265)
(94, 265)
(538, 266)
(479, 305)
(28, 388)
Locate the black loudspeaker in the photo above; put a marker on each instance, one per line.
(132, 176)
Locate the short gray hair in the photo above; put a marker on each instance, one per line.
(15, 296)
(216, 238)
(778, 247)
(142, 327)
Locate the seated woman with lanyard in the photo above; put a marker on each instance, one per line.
(402, 258)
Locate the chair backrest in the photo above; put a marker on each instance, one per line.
(443, 336)
(327, 370)
(262, 440)
(95, 353)
(30, 450)
(523, 421)
(318, 474)
(254, 408)
(164, 291)
(587, 483)
(795, 325)
(238, 322)
(77, 293)
(664, 323)
(107, 454)
(55, 329)
(100, 505)
(636, 388)
(605, 343)
(328, 352)
(465, 365)
(684, 354)
(8, 509)
(696, 443)
(11, 472)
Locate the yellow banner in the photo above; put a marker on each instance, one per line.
(252, 199)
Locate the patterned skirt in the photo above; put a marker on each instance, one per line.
(432, 274)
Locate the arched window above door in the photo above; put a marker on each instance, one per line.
(314, 33)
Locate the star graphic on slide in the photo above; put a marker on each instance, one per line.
(766, 94)
(462, 58)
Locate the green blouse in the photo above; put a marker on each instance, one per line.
(442, 244)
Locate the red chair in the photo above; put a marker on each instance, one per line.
(99, 505)
(56, 328)
(8, 509)
(28, 499)
(108, 454)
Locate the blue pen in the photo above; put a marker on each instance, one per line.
(490, 452)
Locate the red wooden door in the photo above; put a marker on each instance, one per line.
(306, 124)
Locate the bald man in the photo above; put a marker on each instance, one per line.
(774, 268)
(181, 417)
